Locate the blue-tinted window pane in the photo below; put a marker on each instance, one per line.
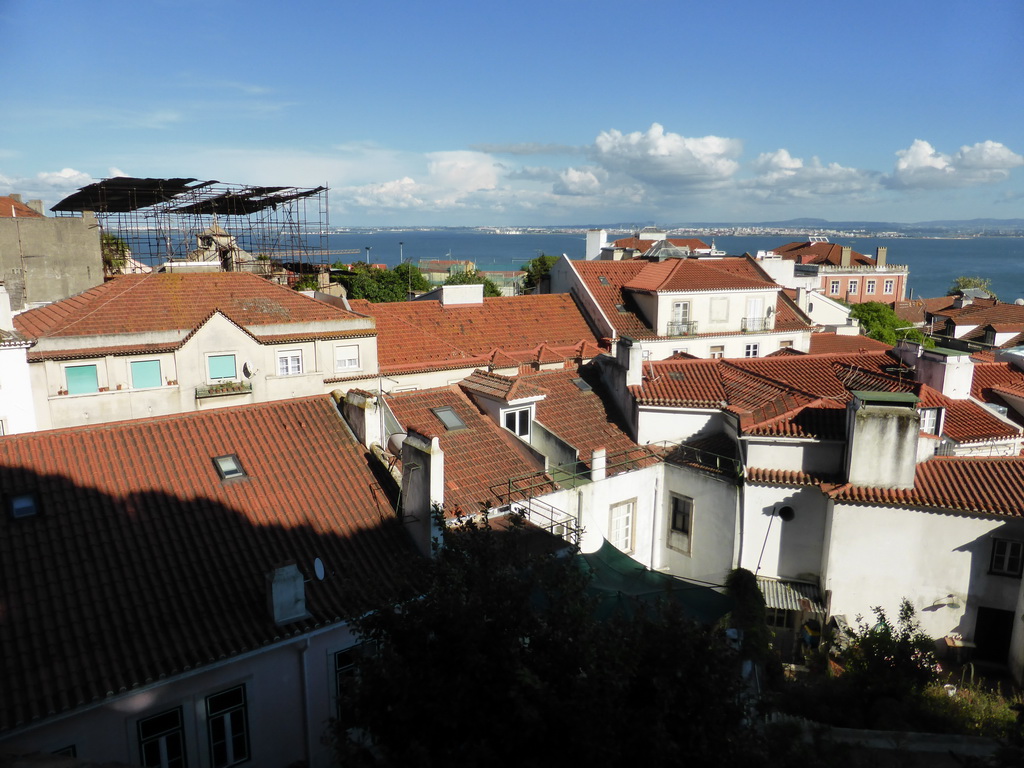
(146, 373)
(81, 379)
(222, 366)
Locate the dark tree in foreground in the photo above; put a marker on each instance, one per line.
(381, 285)
(537, 269)
(503, 661)
(472, 277)
(880, 322)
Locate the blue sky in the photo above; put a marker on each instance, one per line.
(533, 112)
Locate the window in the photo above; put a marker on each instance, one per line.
(779, 618)
(162, 740)
(621, 528)
(346, 357)
(23, 505)
(930, 420)
(344, 671)
(289, 362)
(228, 727)
(854, 286)
(449, 418)
(518, 422)
(869, 286)
(1007, 557)
(887, 286)
(717, 351)
(751, 350)
(81, 379)
(221, 367)
(145, 374)
(719, 310)
(680, 523)
(785, 344)
(228, 466)
(833, 288)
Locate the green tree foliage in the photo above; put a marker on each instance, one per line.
(964, 282)
(115, 253)
(537, 269)
(880, 322)
(471, 277)
(749, 616)
(503, 662)
(307, 283)
(379, 285)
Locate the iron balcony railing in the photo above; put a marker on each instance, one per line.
(224, 388)
(688, 328)
(755, 324)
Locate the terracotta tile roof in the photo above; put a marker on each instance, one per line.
(582, 419)
(178, 302)
(507, 388)
(693, 275)
(986, 314)
(832, 343)
(142, 563)
(685, 383)
(789, 317)
(424, 335)
(992, 485)
(820, 253)
(786, 352)
(11, 208)
(762, 476)
(478, 460)
(605, 280)
(967, 422)
(990, 375)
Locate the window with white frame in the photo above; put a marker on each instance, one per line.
(289, 362)
(162, 740)
(680, 522)
(346, 357)
(145, 374)
(221, 367)
(854, 286)
(1007, 557)
(833, 287)
(227, 727)
(751, 350)
(785, 344)
(518, 422)
(869, 286)
(888, 286)
(717, 351)
(620, 528)
(930, 420)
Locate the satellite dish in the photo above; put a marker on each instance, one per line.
(395, 443)
(1019, 302)
(248, 369)
(318, 569)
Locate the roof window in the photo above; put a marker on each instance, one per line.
(228, 466)
(603, 280)
(449, 418)
(582, 385)
(23, 505)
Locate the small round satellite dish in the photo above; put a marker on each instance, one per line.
(786, 513)
(319, 570)
(1019, 302)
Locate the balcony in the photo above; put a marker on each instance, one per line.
(756, 324)
(223, 389)
(688, 328)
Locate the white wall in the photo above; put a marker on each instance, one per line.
(783, 549)
(16, 411)
(800, 455)
(676, 424)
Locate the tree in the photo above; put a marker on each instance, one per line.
(380, 285)
(114, 252)
(472, 277)
(965, 282)
(537, 269)
(880, 322)
(503, 661)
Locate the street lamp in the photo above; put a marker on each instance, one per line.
(401, 258)
(368, 249)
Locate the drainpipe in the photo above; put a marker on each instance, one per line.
(654, 519)
(305, 702)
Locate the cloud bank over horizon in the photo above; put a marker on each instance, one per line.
(654, 174)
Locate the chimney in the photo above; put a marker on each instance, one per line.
(422, 489)
(881, 439)
(286, 594)
(631, 358)
(598, 464)
(846, 259)
(949, 371)
(881, 254)
(362, 412)
(15, 197)
(596, 240)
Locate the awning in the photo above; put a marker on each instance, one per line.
(791, 595)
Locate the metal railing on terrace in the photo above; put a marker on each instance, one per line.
(756, 324)
(681, 453)
(688, 328)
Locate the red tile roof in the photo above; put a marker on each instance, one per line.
(832, 343)
(142, 563)
(426, 335)
(11, 208)
(692, 275)
(507, 388)
(176, 301)
(820, 253)
(605, 281)
(988, 376)
(480, 460)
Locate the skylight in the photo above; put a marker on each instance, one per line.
(228, 466)
(603, 280)
(23, 505)
(582, 385)
(449, 418)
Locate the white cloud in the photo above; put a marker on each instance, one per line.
(668, 160)
(921, 166)
(462, 171)
(780, 177)
(575, 181)
(49, 186)
(402, 193)
(527, 148)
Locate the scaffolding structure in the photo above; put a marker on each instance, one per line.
(258, 229)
